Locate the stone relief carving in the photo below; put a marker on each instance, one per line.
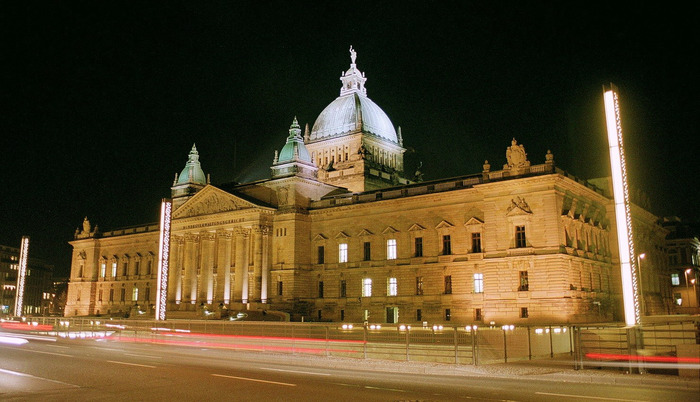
(516, 156)
(210, 204)
(519, 202)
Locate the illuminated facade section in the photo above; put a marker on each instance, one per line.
(623, 217)
(166, 208)
(21, 276)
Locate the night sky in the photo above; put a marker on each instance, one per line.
(103, 100)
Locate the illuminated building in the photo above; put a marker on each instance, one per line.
(683, 251)
(339, 232)
(38, 290)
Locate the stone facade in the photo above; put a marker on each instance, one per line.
(350, 239)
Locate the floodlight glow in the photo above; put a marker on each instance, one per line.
(623, 217)
(21, 276)
(166, 208)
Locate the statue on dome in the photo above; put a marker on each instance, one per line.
(516, 156)
(353, 54)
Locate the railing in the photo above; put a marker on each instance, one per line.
(423, 343)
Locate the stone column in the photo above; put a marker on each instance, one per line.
(240, 289)
(224, 266)
(175, 274)
(206, 292)
(189, 266)
(266, 246)
(256, 280)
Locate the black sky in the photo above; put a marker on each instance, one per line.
(103, 100)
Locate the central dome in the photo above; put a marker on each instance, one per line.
(353, 111)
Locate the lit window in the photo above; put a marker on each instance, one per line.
(419, 285)
(343, 252)
(478, 283)
(391, 249)
(366, 287)
(524, 283)
(675, 280)
(392, 287)
(135, 294)
(114, 269)
(103, 269)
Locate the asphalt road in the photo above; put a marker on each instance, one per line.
(106, 370)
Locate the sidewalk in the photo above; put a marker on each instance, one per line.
(559, 369)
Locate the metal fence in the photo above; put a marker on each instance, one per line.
(423, 343)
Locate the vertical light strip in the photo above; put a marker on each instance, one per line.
(21, 276)
(163, 258)
(623, 217)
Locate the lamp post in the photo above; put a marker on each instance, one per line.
(640, 257)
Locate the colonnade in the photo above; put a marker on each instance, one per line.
(223, 266)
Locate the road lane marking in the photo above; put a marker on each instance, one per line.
(47, 353)
(295, 371)
(590, 397)
(385, 389)
(131, 364)
(58, 346)
(137, 355)
(36, 378)
(254, 379)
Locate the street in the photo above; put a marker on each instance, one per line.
(47, 368)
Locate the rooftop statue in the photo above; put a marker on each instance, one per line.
(353, 55)
(516, 156)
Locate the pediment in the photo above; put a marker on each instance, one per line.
(474, 221)
(415, 227)
(365, 232)
(518, 206)
(320, 236)
(389, 230)
(341, 235)
(444, 224)
(210, 200)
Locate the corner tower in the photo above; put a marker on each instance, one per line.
(353, 142)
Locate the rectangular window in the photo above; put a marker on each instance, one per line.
(448, 314)
(137, 267)
(448, 284)
(321, 255)
(366, 287)
(368, 251)
(391, 249)
(446, 245)
(125, 268)
(114, 270)
(523, 312)
(149, 265)
(320, 289)
(392, 287)
(147, 294)
(342, 315)
(419, 315)
(675, 280)
(319, 315)
(103, 269)
(280, 288)
(524, 283)
(418, 242)
(520, 240)
(478, 283)
(99, 298)
(477, 314)
(111, 295)
(419, 285)
(135, 294)
(122, 296)
(343, 252)
(343, 288)
(476, 242)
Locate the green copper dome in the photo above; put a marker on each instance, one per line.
(192, 173)
(294, 149)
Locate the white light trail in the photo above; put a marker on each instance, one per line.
(163, 258)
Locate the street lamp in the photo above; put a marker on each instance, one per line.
(640, 257)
